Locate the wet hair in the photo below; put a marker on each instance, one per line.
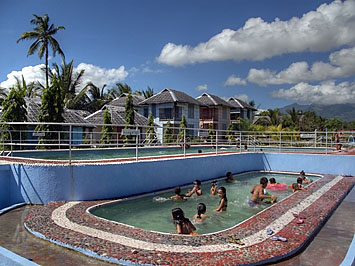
(302, 173)
(272, 180)
(197, 182)
(299, 180)
(295, 186)
(228, 174)
(214, 182)
(201, 208)
(224, 192)
(263, 181)
(178, 214)
(177, 190)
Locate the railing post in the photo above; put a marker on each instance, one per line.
(315, 138)
(280, 141)
(326, 141)
(184, 144)
(70, 128)
(216, 142)
(137, 137)
(240, 140)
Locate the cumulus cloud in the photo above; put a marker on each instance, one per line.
(101, 76)
(326, 93)
(341, 64)
(233, 80)
(330, 26)
(202, 87)
(97, 75)
(30, 74)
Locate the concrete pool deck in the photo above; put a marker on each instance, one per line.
(70, 225)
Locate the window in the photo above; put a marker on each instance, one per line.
(145, 111)
(178, 113)
(154, 110)
(191, 111)
(165, 113)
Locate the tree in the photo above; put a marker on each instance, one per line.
(211, 132)
(43, 36)
(14, 110)
(69, 81)
(51, 111)
(183, 126)
(96, 97)
(3, 94)
(168, 133)
(30, 90)
(129, 117)
(230, 131)
(150, 129)
(106, 132)
(149, 92)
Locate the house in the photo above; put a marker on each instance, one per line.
(214, 111)
(117, 117)
(170, 105)
(240, 109)
(70, 116)
(121, 101)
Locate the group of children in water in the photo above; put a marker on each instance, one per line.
(259, 193)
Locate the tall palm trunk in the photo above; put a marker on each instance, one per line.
(46, 65)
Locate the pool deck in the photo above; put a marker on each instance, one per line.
(70, 225)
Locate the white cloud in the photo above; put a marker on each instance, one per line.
(233, 80)
(202, 87)
(30, 74)
(242, 97)
(330, 26)
(341, 64)
(97, 75)
(101, 76)
(326, 93)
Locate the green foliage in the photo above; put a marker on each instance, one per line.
(211, 132)
(150, 129)
(129, 118)
(14, 110)
(51, 111)
(183, 126)
(230, 131)
(43, 36)
(168, 133)
(106, 131)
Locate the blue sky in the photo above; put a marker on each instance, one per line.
(274, 52)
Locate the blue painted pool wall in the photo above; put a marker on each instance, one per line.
(310, 163)
(4, 186)
(40, 184)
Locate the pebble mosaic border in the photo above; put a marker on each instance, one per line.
(70, 225)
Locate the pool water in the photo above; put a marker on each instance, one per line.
(154, 212)
(101, 154)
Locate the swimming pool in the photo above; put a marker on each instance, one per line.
(153, 212)
(101, 154)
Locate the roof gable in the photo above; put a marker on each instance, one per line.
(237, 103)
(121, 100)
(212, 100)
(170, 96)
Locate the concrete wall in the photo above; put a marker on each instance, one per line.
(40, 184)
(9, 258)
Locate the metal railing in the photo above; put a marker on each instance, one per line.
(71, 137)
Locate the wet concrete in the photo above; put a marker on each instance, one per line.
(329, 247)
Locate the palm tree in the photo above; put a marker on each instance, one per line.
(30, 90)
(43, 36)
(68, 81)
(3, 94)
(149, 92)
(96, 97)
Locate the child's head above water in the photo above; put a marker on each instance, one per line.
(264, 181)
(177, 214)
(214, 183)
(222, 192)
(197, 182)
(299, 180)
(177, 190)
(272, 180)
(201, 209)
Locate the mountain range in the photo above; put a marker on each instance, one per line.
(345, 112)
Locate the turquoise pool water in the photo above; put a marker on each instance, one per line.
(153, 212)
(101, 154)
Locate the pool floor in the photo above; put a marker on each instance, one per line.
(70, 225)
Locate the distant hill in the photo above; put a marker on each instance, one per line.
(345, 112)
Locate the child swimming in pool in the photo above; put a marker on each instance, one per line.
(177, 195)
(183, 225)
(222, 206)
(229, 178)
(200, 217)
(304, 178)
(195, 190)
(214, 186)
(258, 193)
(299, 184)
